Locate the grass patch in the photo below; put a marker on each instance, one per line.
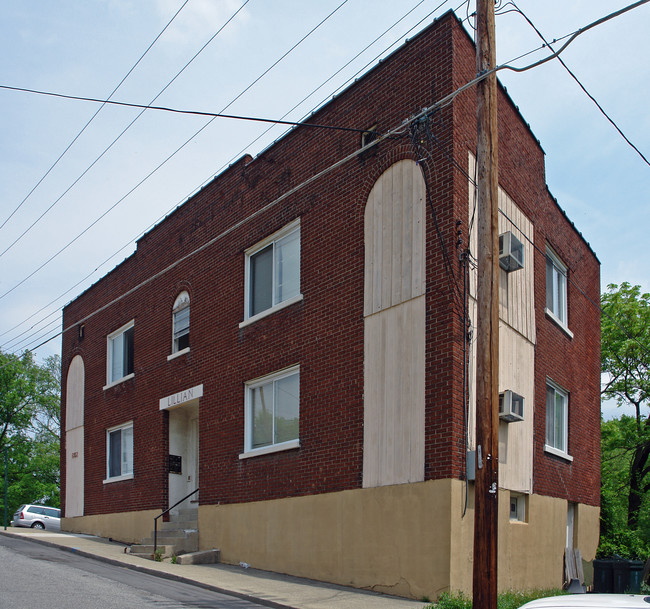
(507, 600)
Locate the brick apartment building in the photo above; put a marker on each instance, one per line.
(292, 340)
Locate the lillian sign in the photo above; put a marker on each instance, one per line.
(182, 397)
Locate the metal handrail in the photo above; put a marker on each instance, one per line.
(155, 520)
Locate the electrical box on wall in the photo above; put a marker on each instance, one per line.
(470, 466)
(511, 252)
(511, 406)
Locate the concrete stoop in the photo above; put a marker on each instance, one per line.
(178, 537)
(146, 551)
(204, 557)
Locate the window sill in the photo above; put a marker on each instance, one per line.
(118, 478)
(558, 322)
(278, 307)
(274, 448)
(178, 354)
(118, 381)
(557, 452)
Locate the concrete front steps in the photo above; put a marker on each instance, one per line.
(180, 538)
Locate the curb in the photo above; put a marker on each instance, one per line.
(154, 572)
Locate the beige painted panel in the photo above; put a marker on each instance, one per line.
(74, 436)
(395, 327)
(517, 373)
(394, 238)
(127, 527)
(393, 539)
(516, 346)
(74, 472)
(394, 381)
(587, 520)
(411, 540)
(517, 288)
(74, 407)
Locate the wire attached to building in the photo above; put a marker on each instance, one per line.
(351, 78)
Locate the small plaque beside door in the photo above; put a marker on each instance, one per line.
(175, 464)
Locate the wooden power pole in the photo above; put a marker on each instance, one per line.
(487, 345)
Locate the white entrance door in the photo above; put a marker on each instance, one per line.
(193, 459)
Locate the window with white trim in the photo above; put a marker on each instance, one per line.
(273, 271)
(557, 418)
(119, 452)
(181, 322)
(273, 412)
(120, 353)
(556, 287)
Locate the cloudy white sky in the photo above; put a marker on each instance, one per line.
(86, 49)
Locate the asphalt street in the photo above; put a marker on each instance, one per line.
(34, 575)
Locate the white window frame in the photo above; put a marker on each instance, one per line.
(559, 309)
(110, 340)
(289, 229)
(181, 303)
(124, 475)
(250, 386)
(559, 449)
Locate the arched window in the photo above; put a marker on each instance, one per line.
(181, 322)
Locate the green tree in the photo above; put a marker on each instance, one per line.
(30, 397)
(625, 362)
(618, 439)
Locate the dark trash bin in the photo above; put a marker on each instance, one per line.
(635, 576)
(618, 576)
(603, 576)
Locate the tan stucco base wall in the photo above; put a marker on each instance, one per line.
(410, 540)
(128, 527)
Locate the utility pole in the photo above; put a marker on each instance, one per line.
(486, 488)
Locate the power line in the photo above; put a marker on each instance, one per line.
(399, 130)
(55, 255)
(76, 137)
(441, 103)
(120, 135)
(587, 93)
(385, 50)
(179, 111)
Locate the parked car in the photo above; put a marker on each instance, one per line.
(589, 601)
(37, 517)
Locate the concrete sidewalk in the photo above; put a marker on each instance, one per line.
(271, 589)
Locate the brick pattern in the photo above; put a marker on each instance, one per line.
(324, 331)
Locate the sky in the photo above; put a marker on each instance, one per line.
(76, 191)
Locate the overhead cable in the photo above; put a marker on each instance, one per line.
(76, 137)
(589, 95)
(121, 134)
(160, 165)
(179, 111)
(385, 50)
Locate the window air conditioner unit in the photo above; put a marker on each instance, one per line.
(511, 252)
(511, 406)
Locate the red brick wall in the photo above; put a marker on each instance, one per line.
(323, 332)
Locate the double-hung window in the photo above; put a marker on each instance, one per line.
(557, 420)
(120, 354)
(119, 452)
(273, 272)
(272, 413)
(556, 287)
(181, 322)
